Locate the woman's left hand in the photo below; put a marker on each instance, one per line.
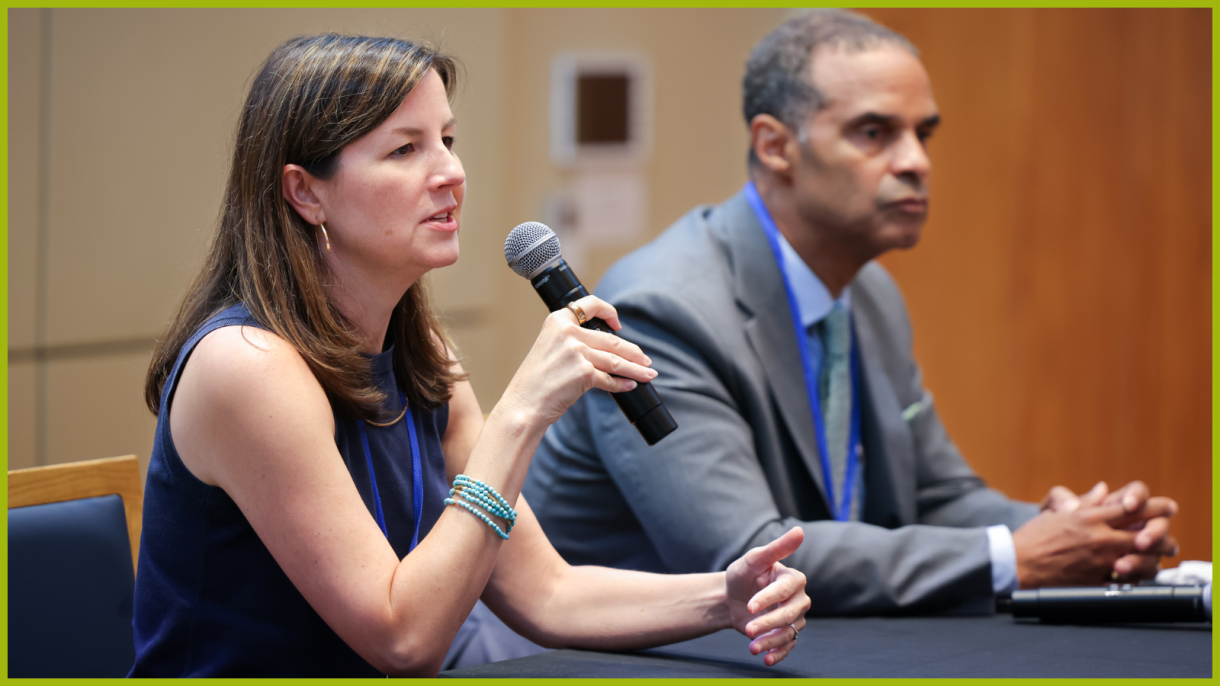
(767, 601)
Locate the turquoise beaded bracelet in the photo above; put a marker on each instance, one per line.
(475, 492)
(477, 485)
(476, 498)
(495, 527)
(484, 502)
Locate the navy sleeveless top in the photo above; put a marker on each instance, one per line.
(210, 600)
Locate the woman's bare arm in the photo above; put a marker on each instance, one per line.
(556, 605)
(250, 417)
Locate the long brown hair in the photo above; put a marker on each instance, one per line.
(312, 96)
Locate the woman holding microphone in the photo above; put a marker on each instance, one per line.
(324, 497)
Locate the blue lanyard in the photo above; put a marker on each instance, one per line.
(417, 476)
(841, 509)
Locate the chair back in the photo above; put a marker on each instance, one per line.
(74, 534)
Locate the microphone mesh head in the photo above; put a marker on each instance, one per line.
(530, 247)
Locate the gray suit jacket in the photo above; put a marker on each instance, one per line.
(706, 302)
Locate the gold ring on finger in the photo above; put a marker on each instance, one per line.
(580, 314)
(796, 633)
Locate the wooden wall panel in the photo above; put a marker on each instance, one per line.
(1061, 292)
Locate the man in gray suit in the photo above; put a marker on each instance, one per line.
(780, 341)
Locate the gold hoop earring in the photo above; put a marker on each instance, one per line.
(325, 235)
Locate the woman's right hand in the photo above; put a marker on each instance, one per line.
(566, 361)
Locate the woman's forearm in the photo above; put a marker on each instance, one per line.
(502, 453)
(458, 557)
(554, 604)
(614, 609)
(434, 588)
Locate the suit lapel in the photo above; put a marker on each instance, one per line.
(759, 289)
(895, 440)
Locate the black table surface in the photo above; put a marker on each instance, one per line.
(993, 646)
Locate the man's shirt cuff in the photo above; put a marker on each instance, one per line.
(1003, 559)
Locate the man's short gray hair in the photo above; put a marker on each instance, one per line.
(778, 81)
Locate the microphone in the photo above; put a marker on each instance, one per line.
(532, 250)
(1113, 603)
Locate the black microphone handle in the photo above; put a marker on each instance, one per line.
(558, 286)
(1114, 603)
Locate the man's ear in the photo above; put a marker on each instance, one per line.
(774, 144)
(300, 190)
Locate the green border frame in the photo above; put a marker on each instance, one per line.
(1215, 250)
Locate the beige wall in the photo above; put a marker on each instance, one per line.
(120, 123)
(699, 140)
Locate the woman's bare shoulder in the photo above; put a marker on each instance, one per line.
(248, 358)
(244, 385)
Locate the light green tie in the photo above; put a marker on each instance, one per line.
(834, 389)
